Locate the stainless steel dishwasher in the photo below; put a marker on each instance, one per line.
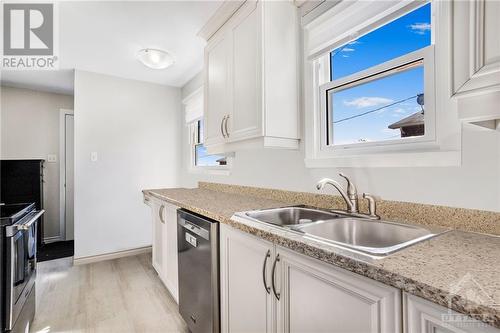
(198, 249)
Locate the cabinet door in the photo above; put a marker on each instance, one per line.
(246, 305)
(170, 272)
(246, 118)
(217, 88)
(157, 241)
(317, 297)
(476, 46)
(422, 316)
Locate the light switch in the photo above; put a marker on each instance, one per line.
(93, 156)
(52, 158)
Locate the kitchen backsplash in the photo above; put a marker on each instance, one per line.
(457, 218)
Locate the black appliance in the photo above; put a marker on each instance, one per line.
(18, 241)
(22, 181)
(198, 255)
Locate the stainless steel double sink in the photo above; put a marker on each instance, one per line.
(373, 237)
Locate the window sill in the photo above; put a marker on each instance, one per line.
(210, 170)
(397, 159)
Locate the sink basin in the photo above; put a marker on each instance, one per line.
(289, 216)
(368, 236)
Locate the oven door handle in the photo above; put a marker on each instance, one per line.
(27, 225)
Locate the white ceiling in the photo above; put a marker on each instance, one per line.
(104, 37)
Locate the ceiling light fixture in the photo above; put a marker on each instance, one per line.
(154, 58)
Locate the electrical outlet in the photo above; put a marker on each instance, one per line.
(52, 158)
(93, 156)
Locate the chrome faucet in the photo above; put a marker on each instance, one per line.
(350, 196)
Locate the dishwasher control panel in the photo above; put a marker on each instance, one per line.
(191, 239)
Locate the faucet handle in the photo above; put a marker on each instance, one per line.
(351, 188)
(372, 206)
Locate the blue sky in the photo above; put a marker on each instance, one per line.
(204, 159)
(404, 35)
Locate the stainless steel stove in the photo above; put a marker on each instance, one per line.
(18, 240)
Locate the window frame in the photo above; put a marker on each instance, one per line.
(425, 55)
(360, 17)
(196, 139)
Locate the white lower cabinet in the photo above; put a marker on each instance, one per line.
(319, 297)
(170, 269)
(246, 303)
(422, 316)
(164, 244)
(303, 295)
(157, 241)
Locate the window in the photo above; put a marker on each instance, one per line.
(200, 156)
(381, 85)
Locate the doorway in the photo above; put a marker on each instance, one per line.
(69, 156)
(64, 245)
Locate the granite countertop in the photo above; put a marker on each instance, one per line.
(442, 270)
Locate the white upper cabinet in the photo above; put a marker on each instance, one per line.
(217, 96)
(251, 78)
(476, 61)
(246, 122)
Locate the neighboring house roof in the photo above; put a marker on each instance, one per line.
(412, 120)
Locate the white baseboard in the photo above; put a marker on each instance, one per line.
(51, 239)
(109, 256)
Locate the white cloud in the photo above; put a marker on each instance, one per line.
(420, 28)
(345, 56)
(348, 49)
(364, 102)
(399, 110)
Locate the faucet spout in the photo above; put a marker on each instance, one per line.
(351, 207)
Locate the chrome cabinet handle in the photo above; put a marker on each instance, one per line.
(264, 266)
(225, 126)
(273, 283)
(222, 126)
(160, 213)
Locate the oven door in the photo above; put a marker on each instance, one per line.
(21, 265)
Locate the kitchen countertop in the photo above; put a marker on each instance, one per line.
(459, 270)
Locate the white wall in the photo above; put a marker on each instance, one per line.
(473, 185)
(133, 127)
(30, 130)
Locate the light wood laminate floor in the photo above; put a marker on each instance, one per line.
(121, 295)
